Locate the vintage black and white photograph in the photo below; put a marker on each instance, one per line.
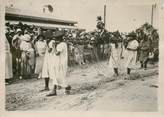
(81, 55)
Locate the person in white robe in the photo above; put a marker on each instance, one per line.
(61, 65)
(77, 55)
(131, 54)
(8, 62)
(48, 69)
(40, 47)
(115, 56)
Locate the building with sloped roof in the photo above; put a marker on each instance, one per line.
(43, 20)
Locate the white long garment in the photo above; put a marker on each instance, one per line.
(40, 48)
(30, 62)
(8, 61)
(25, 46)
(131, 56)
(115, 57)
(77, 55)
(61, 65)
(49, 63)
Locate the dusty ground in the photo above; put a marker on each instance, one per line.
(90, 91)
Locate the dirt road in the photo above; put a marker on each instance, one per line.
(90, 91)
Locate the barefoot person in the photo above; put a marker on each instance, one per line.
(60, 65)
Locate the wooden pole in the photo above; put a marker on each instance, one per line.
(104, 15)
(152, 14)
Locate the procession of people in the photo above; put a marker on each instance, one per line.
(46, 53)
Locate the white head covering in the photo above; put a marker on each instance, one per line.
(51, 43)
(18, 30)
(26, 37)
(92, 38)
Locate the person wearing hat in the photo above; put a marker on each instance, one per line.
(60, 65)
(16, 52)
(27, 55)
(40, 47)
(131, 53)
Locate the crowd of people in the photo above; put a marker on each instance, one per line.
(27, 46)
(45, 53)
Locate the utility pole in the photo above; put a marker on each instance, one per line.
(105, 12)
(152, 14)
(105, 15)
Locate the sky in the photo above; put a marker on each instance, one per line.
(124, 17)
(129, 17)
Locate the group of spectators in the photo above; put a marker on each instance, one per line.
(27, 45)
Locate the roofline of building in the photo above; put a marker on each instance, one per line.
(45, 25)
(38, 16)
